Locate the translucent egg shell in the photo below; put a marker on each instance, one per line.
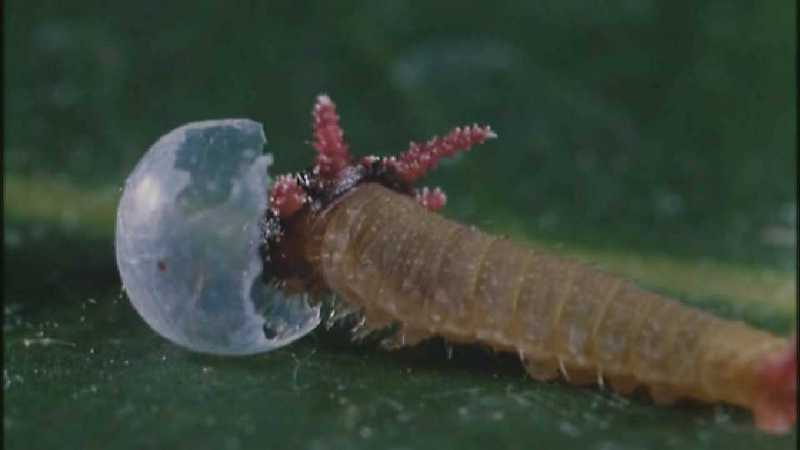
(187, 242)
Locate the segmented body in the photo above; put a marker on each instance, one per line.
(397, 262)
(352, 227)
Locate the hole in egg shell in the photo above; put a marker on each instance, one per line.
(188, 237)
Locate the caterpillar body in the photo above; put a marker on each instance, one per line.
(388, 256)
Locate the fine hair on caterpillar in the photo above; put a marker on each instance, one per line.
(358, 229)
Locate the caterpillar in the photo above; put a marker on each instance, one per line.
(359, 230)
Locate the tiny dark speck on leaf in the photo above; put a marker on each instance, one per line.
(162, 266)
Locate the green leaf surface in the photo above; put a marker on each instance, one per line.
(653, 139)
(80, 363)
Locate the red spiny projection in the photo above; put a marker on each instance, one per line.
(286, 196)
(432, 199)
(332, 152)
(776, 409)
(419, 159)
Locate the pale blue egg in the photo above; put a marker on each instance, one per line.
(187, 242)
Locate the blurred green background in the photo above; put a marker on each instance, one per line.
(654, 139)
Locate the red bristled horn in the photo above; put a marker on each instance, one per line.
(333, 154)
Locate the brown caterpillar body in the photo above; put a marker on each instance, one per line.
(399, 263)
(358, 228)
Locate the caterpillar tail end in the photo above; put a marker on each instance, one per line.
(775, 408)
